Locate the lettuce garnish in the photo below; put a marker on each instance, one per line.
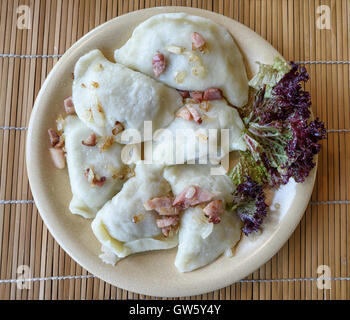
(248, 167)
(250, 205)
(281, 140)
(269, 75)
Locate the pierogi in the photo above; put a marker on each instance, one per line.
(200, 241)
(88, 198)
(123, 225)
(186, 141)
(109, 98)
(185, 76)
(220, 64)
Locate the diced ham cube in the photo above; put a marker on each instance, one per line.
(197, 95)
(184, 93)
(93, 178)
(192, 196)
(118, 128)
(198, 41)
(69, 105)
(90, 141)
(158, 64)
(54, 137)
(154, 203)
(162, 205)
(166, 231)
(167, 222)
(213, 211)
(61, 143)
(168, 211)
(99, 182)
(212, 94)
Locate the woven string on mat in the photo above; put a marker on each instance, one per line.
(241, 281)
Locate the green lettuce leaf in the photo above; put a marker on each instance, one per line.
(269, 75)
(248, 166)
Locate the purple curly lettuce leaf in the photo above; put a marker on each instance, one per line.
(287, 98)
(279, 132)
(250, 205)
(303, 147)
(289, 93)
(298, 152)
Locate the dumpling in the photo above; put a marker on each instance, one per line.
(220, 65)
(199, 246)
(108, 97)
(123, 225)
(201, 242)
(87, 165)
(185, 141)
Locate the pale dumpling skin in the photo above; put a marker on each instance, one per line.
(182, 176)
(197, 143)
(199, 246)
(195, 249)
(114, 224)
(223, 63)
(105, 93)
(88, 198)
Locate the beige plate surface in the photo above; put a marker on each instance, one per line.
(151, 273)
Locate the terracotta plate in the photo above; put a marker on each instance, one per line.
(151, 273)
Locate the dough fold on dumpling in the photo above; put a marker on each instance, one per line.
(123, 225)
(109, 97)
(198, 247)
(201, 242)
(88, 198)
(220, 65)
(185, 141)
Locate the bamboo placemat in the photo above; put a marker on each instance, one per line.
(27, 56)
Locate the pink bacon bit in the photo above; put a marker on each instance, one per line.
(96, 181)
(90, 141)
(162, 205)
(184, 93)
(198, 41)
(158, 64)
(213, 211)
(69, 105)
(212, 94)
(54, 137)
(196, 95)
(60, 144)
(169, 214)
(165, 222)
(166, 231)
(192, 196)
(99, 182)
(57, 152)
(195, 114)
(154, 203)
